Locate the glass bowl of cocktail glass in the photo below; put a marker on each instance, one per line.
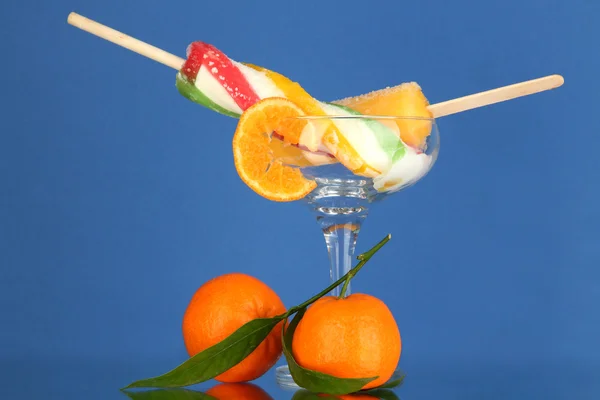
(342, 199)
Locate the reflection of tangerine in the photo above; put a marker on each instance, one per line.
(354, 337)
(238, 391)
(220, 307)
(347, 227)
(356, 396)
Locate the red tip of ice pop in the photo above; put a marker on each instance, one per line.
(225, 72)
(191, 66)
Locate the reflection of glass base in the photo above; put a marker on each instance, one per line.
(286, 382)
(284, 378)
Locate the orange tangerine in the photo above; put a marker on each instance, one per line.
(220, 307)
(353, 337)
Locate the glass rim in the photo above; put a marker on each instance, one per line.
(361, 117)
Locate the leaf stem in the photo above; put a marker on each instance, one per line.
(364, 257)
(345, 287)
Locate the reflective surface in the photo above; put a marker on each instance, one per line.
(92, 378)
(111, 215)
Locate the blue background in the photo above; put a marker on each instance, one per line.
(118, 197)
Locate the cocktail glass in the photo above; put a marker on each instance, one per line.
(342, 199)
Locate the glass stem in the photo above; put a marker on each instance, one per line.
(340, 234)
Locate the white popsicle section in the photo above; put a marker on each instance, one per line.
(262, 85)
(406, 170)
(361, 138)
(207, 84)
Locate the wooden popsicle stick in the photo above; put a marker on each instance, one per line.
(438, 110)
(126, 41)
(497, 95)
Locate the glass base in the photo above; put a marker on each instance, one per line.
(341, 204)
(286, 382)
(284, 378)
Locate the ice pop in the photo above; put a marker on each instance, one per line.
(389, 162)
(212, 79)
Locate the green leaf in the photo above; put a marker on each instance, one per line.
(382, 394)
(306, 395)
(169, 394)
(314, 381)
(188, 90)
(395, 382)
(216, 359)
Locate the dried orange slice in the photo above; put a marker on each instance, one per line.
(256, 154)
